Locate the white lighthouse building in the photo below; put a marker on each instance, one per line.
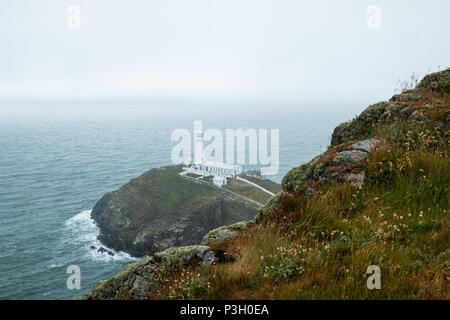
(198, 143)
(219, 171)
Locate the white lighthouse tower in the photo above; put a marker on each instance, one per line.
(198, 142)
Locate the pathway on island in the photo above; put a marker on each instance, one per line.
(184, 174)
(226, 190)
(255, 185)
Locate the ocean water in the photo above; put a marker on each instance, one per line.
(58, 158)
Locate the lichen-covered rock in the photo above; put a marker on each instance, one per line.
(269, 206)
(128, 283)
(438, 82)
(349, 156)
(356, 179)
(343, 163)
(136, 279)
(299, 176)
(310, 191)
(418, 117)
(361, 126)
(411, 106)
(183, 255)
(225, 232)
(406, 96)
(365, 145)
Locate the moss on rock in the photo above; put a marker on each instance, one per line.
(298, 176)
(336, 164)
(411, 105)
(136, 278)
(182, 255)
(437, 82)
(122, 284)
(225, 232)
(269, 206)
(360, 127)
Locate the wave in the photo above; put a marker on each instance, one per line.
(83, 230)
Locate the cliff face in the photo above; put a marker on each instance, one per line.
(160, 209)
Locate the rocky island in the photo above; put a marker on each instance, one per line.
(378, 196)
(161, 209)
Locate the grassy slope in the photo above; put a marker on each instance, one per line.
(247, 190)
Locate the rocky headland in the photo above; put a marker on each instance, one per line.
(378, 195)
(161, 209)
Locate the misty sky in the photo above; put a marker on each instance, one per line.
(206, 47)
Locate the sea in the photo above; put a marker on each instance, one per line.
(58, 157)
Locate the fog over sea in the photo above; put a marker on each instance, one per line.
(58, 158)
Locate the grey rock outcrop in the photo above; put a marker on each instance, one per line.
(416, 106)
(225, 232)
(137, 278)
(343, 163)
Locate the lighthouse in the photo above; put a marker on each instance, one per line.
(198, 142)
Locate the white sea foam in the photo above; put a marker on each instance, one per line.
(84, 231)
